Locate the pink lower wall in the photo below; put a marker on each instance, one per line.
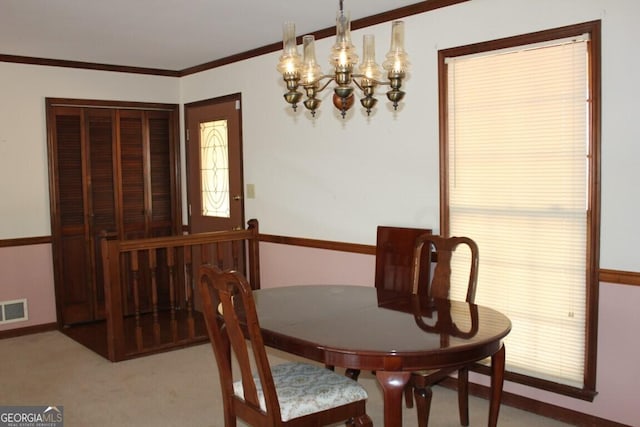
(619, 322)
(27, 272)
(284, 265)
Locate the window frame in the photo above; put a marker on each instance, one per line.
(593, 28)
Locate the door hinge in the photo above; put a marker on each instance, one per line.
(237, 104)
(187, 134)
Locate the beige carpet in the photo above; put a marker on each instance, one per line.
(178, 388)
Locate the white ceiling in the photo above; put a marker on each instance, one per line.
(163, 34)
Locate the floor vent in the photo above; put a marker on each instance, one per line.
(13, 311)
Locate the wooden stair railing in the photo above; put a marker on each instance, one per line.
(150, 299)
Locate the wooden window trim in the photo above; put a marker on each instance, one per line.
(593, 233)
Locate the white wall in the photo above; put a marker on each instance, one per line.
(23, 142)
(354, 174)
(349, 175)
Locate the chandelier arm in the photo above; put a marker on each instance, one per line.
(362, 76)
(385, 83)
(355, 82)
(323, 87)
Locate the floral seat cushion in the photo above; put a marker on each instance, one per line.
(304, 389)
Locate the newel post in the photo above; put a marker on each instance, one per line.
(254, 254)
(113, 298)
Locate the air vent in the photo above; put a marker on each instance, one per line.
(13, 311)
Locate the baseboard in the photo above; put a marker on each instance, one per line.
(540, 408)
(45, 327)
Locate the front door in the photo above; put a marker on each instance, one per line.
(214, 168)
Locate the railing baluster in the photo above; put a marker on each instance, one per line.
(153, 268)
(188, 288)
(220, 254)
(204, 254)
(235, 255)
(172, 290)
(136, 298)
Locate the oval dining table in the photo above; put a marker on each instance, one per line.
(363, 328)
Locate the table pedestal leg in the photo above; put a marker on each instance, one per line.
(497, 380)
(393, 384)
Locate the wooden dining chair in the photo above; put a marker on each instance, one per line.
(394, 269)
(394, 259)
(288, 394)
(441, 249)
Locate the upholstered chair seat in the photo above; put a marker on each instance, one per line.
(303, 389)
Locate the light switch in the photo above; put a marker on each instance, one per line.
(251, 191)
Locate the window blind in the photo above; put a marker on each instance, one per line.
(518, 185)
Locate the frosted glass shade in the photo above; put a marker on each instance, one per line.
(290, 61)
(343, 52)
(311, 71)
(397, 60)
(369, 68)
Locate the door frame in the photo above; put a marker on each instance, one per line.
(237, 98)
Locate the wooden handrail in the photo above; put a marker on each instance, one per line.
(186, 240)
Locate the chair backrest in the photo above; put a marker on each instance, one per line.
(227, 305)
(441, 249)
(394, 259)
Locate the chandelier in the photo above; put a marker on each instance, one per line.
(305, 72)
